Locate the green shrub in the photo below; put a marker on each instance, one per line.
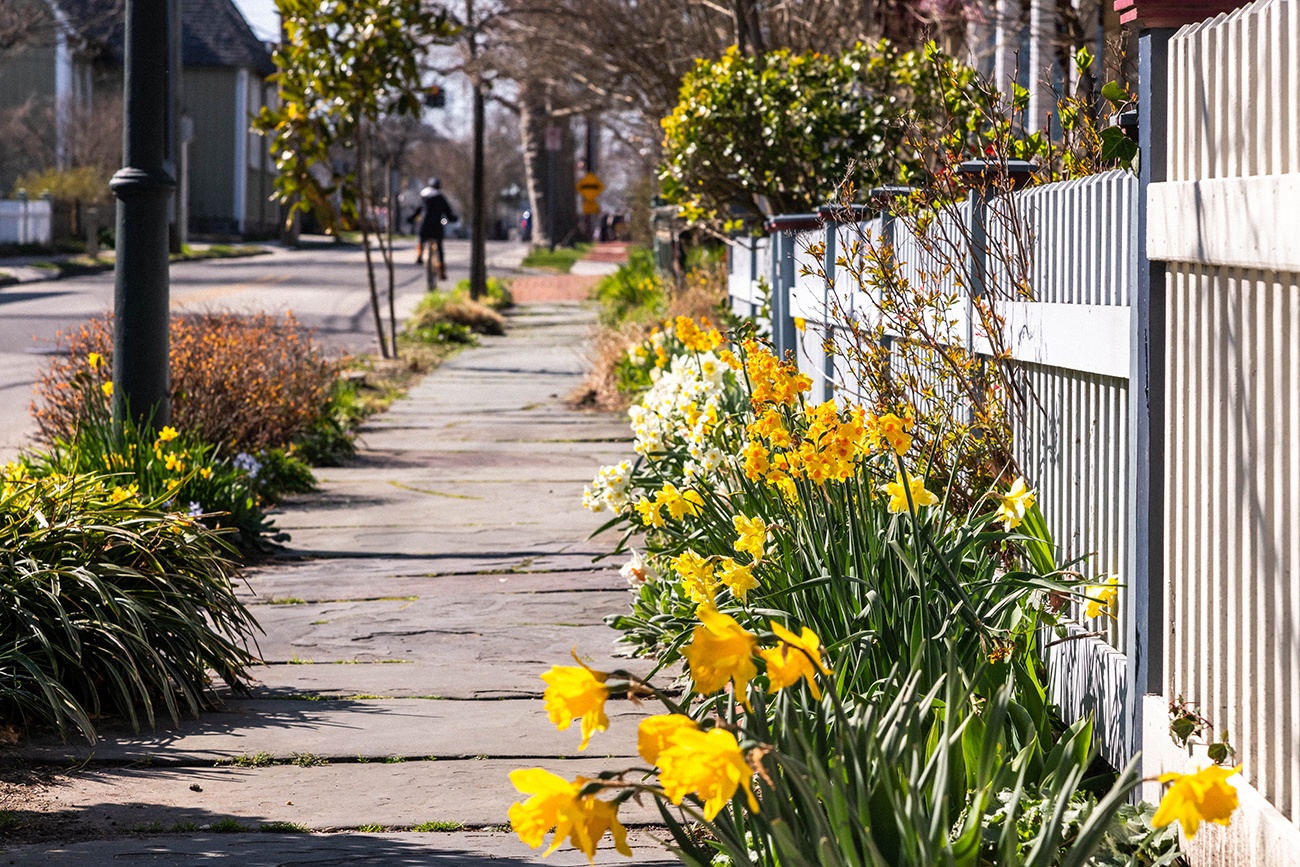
(110, 604)
(498, 295)
(177, 471)
(634, 292)
(83, 183)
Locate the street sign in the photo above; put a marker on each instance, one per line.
(590, 206)
(590, 186)
(554, 139)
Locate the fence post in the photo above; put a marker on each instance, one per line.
(1147, 396)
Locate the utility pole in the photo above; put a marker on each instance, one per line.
(143, 187)
(478, 207)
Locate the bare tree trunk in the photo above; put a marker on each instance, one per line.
(363, 156)
(532, 132)
(387, 250)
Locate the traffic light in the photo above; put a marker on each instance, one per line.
(435, 97)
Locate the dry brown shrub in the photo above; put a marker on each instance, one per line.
(477, 317)
(246, 382)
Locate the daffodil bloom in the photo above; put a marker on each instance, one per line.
(206, 472)
(800, 323)
(574, 691)
(95, 360)
(167, 434)
(795, 657)
(697, 576)
(752, 534)
(1101, 597)
(708, 764)
(898, 493)
(1204, 796)
(679, 503)
(648, 510)
(1012, 504)
(720, 651)
(895, 430)
(737, 577)
(555, 804)
(637, 571)
(655, 733)
(174, 462)
(107, 388)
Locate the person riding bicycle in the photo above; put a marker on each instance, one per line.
(437, 214)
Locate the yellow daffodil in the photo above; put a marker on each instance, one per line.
(206, 472)
(1101, 597)
(800, 323)
(898, 492)
(795, 657)
(1012, 504)
(752, 534)
(656, 732)
(737, 577)
(756, 460)
(167, 434)
(1205, 796)
(679, 503)
(720, 651)
(555, 804)
(174, 462)
(697, 577)
(708, 764)
(120, 494)
(648, 510)
(95, 360)
(574, 691)
(895, 431)
(107, 388)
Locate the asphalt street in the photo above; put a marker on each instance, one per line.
(324, 286)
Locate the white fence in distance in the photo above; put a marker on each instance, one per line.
(25, 221)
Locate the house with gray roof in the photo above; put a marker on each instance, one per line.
(224, 172)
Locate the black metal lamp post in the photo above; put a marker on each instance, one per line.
(142, 187)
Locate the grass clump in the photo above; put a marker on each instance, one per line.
(453, 318)
(261, 759)
(438, 827)
(307, 760)
(284, 828)
(228, 826)
(560, 260)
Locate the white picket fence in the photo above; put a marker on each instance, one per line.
(25, 221)
(1072, 341)
(1227, 224)
(1225, 578)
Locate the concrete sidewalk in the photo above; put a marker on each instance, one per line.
(432, 581)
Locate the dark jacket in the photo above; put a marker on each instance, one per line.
(437, 214)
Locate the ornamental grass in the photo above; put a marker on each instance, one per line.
(111, 605)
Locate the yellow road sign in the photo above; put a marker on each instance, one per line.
(590, 206)
(590, 186)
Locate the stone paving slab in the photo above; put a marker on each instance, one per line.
(454, 849)
(473, 793)
(326, 581)
(316, 577)
(375, 729)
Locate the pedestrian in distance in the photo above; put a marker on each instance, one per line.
(437, 213)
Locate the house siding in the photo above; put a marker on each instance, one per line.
(210, 102)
